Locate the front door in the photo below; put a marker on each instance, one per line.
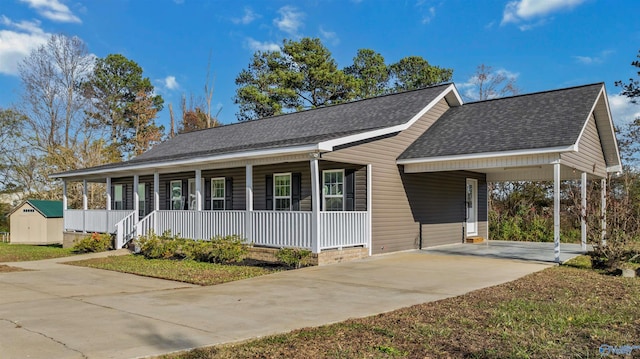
(472, 206)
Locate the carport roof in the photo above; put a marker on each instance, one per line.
(527, 122)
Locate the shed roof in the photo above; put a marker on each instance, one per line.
(47, 208)
(533, 121)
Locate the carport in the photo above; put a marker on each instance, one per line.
(548, 136)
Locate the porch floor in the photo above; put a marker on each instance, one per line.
(528, 251)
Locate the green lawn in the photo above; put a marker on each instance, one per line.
(180, 270)
(560, 312)
(23, 252)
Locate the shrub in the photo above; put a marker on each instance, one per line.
(229, 249)
(94, 243)
(293, 257)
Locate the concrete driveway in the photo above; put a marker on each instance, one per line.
(62, 311)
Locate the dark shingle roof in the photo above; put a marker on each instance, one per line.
(294, 129)
(49, 209)
(532, 121)
(300, 128)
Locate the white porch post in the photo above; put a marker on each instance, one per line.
(583, 211)
(603, 210)
(198, 190)
(156, 199)
(136, 198)
(315, 206)
(248, 227)
(156, 191)
(84, 206)
(64, 195)
(108, 194)
(556, 210)
(369, 209)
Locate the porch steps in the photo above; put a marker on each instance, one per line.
(475, 239)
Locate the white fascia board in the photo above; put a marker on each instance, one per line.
(611, 128)
(329, 145)
(475, 156)
(196, 161)
(614, 169)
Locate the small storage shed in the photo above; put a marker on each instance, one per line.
(37, 222)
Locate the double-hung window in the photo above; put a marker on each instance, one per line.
(118, 197)
(282, 191)
(217, 193)
(333, 190)
(142, 200)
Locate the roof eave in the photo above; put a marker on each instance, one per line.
(475, 156)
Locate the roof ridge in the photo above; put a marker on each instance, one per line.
(533, 93)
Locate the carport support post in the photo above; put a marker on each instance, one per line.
(315, 206)
(603, 210)
(583, 211)
(556, 210)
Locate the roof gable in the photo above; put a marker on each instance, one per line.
(49, 209)
(543, 120)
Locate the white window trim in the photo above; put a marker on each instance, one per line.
(171, 198)
(224, 192)
(344, 190)
(275, 198)
(191, 185)
(115, 198)
(142, 198)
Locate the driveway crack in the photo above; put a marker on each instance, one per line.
(20, 326)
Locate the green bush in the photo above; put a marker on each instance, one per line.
(293, 257)
(94, 243)
(219, 249)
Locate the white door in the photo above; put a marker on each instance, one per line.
(472, 206)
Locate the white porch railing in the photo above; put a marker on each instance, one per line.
(264, 228)
(93, 220)
(343, 229)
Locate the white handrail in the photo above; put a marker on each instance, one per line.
(125, 229)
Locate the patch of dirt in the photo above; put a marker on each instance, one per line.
(6, 269)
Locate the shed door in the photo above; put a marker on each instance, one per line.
(472, 207)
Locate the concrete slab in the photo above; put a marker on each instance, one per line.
(99, 314)
(526, 251)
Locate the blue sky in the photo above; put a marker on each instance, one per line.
(545, 44)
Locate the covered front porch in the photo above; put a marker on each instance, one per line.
(303, 202)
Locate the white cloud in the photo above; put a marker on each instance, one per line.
(18, 43)
(525, 10)
(170, 83)
(53, 10)
(256, 45)
(329, 36)
(247, 18)
(431, 13)
(622, 110)
(290, 20)
(592, 60)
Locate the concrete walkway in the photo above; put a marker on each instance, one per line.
(62, 311)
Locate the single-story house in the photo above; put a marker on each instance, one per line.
(396, 172)
(37, 221)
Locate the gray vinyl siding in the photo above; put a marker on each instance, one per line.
(590, 156)
(393, 225)
(437, 201)
(260, 174)
(237, 176)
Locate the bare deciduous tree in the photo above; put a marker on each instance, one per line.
(486, 84)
